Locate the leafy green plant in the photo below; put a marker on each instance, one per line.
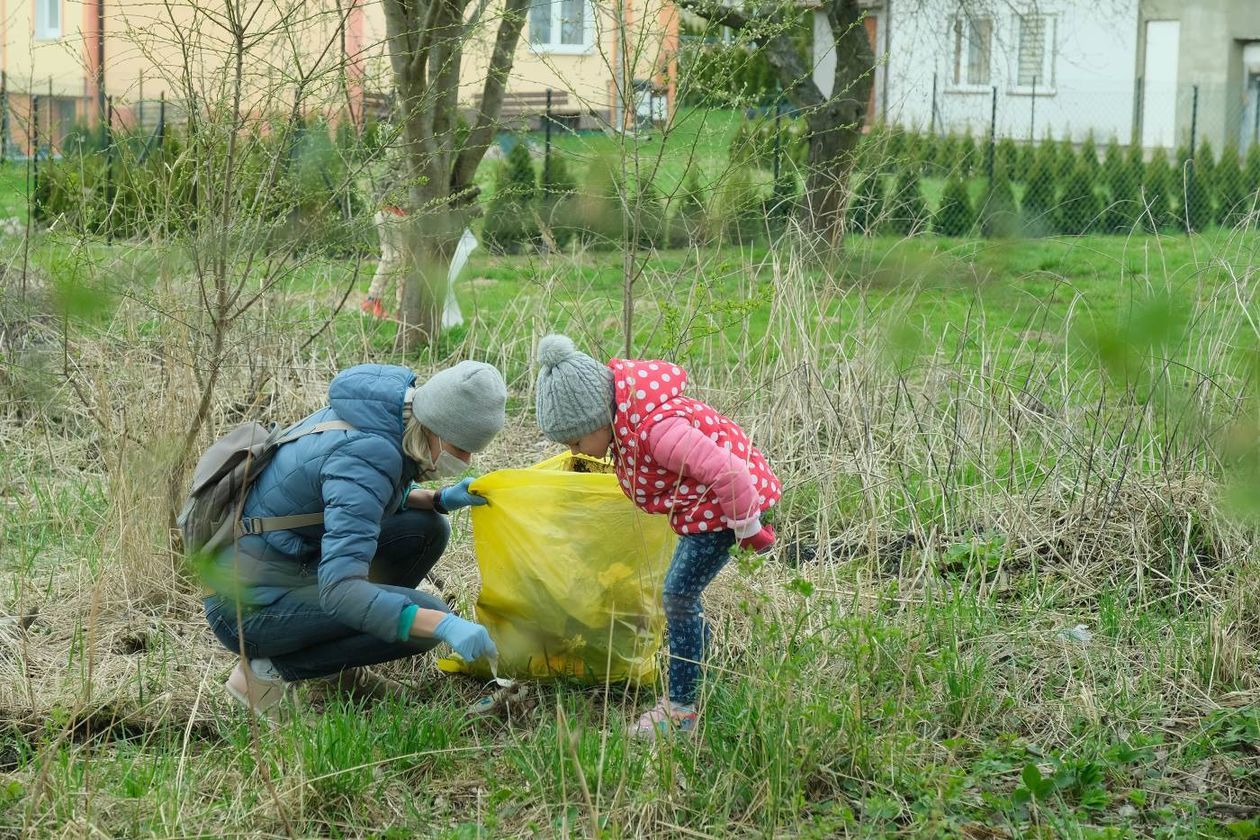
(511, 223)
(1231, 196)
(1079, 208)
(908, 213)
(999, 216)
(1158, 212)
(956, 216)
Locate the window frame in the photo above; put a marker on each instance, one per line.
(554, 47)
(1046, 83)
(39, 14)
(958, 82)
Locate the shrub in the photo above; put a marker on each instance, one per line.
(1157, 210)
(556, 189)
(647, 214)
(1079, 208)
(785, 195)
(999, 217)
(1006, 157)
(1041, 194)
(866, 207)
(754, 142)
(1251, 173)
(908, 213)
(1027, 156)
(739, 209)
(956, 216)
(688, 224)
(511, 222)
(725, 75)
(1065, 160)
(968, 155)
(1205, 164)
(929, 150)
(1197, 193)
(596, 214)
(1088, 156)
(1232, 201)
(1123, 187)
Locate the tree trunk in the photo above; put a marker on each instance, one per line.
(428, 242)
(834, 123)
(835, 126)
(426, 44)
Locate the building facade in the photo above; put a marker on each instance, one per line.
(63, 60)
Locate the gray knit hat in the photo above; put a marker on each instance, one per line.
(575, 392)
(464, 405)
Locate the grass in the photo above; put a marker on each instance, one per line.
(985, 445)
(13, 182)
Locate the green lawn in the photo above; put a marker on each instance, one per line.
(13, 181)
(989, 444)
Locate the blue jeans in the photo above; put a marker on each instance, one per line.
(697, 560)
(304, 642)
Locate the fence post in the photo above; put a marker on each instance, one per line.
(1194, 118)
(932, 117)
(109, 170)
(161, 126)
(1032, 113)
(1138, 91)
(992, 134)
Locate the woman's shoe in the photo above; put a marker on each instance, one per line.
(252, 691)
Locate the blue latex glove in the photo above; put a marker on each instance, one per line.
(459, 496)
(468, 638)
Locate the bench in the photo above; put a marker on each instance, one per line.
(521, 107)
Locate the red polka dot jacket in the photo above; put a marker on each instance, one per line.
(677, 456)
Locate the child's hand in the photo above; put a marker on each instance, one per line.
(760, 542)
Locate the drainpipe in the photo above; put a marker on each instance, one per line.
(882, 93)
(101, 105)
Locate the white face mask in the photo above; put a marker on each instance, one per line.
(446, 465)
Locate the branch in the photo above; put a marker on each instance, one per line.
(491, 96)
(718, 13)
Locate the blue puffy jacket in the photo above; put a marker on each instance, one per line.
(356, 478)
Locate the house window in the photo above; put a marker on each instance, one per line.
(1036, 52)
(560, 25)
(47, 19)
(973, 49)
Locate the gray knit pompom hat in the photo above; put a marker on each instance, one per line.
(575, 392)
(464, 405)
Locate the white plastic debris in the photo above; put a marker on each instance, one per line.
(1079, 633)
(451, 314)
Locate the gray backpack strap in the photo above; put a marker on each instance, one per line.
(326, 426)
(263, 524)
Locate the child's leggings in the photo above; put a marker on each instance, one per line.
(697, 560)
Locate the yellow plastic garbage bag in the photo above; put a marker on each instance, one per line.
(571, 574)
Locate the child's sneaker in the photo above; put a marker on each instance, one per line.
(373, 307)
(665, 717)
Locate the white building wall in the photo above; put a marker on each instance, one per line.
(1092, 48)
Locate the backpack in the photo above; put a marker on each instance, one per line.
(211, 517)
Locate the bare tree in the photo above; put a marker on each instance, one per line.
(426, 44)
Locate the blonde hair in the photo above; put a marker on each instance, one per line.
(415, 440)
